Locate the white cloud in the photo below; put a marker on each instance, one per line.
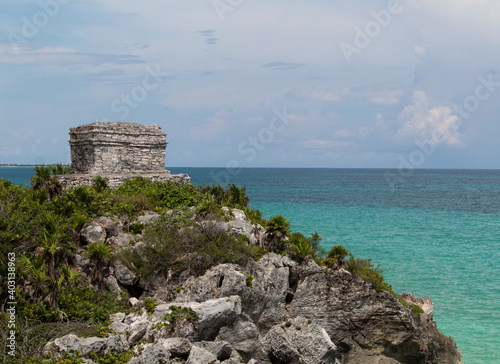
(213, 127)
(323, 144)
(420, 121)
(318, 94)
(57, 55)
(420, 52)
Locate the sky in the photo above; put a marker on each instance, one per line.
(238, 83)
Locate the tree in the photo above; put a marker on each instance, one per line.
(44, 180)
(100, 255)
(277, 228)
(238, 195)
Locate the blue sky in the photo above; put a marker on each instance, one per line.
(239, 83)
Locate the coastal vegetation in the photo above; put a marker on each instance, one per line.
(42, 227)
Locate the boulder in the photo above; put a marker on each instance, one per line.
(117, 317)
(138, 330)
(92, 233)
(119, 327)
(62, 344)
(116, 343)
(89, 345)
(152, 354)
(201, 356)
(177, 346)
(124, 275)
(213, 314)
(148, 218)
(221, 349)
(242, 334)
(113, 227)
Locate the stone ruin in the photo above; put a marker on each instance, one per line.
(117, 151)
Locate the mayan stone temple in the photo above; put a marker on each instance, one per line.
(117, 151)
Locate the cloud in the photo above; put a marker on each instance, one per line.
(342, 95)
(316, 94)
(282, 65)
(420, 121)
(209, 36)
(323, 144)
(213, 126)
(420, 52)
(51, 55)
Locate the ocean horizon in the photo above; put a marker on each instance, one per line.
(435, 231)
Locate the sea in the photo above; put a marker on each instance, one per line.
(436, 232)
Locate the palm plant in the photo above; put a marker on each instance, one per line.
(336, 256)
(300, 247)
(277, 228)
(58, 168)
(99, 184)
(100, 254)
(44, 180)
(238, 195)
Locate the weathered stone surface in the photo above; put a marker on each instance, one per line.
(117, 147)
(221, 349)
(138, 330)
(89, 345)
(92, 233)
(119, 327)
(213, 314)
(178, 346)
(62, 344)
(242, 334)
(278, 347)
(124, 275)
(133, 301)
(116, 343)
(201, 356)
(117, 151)
(152, 354)
(113, 227)
(117, 317)
(148, 218)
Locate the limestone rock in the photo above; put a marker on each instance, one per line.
(201, 356)
(116, 343)
(242, 334)
(138, 330)
(221, 349)
(89, 345)
(124, 275)
(148, 218)
(178, 346)
(92, 233)
(119, 327)
(152, 354)
(113, 227)
(213, 314)
(117, 317)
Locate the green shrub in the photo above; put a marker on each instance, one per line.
(180, 313)
(300, 247)
(365, 269)
(192, 246)
(150, 305)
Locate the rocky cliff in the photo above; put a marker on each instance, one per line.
(274, 310)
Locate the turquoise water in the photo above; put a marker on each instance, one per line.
(436, 232)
